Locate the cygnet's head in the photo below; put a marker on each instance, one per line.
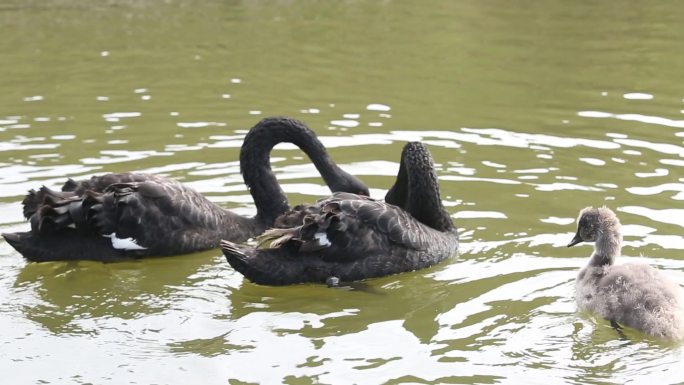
(592, 222)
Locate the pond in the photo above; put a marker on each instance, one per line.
(531, 112)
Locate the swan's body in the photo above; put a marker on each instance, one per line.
(117, 216)
(349, 237)
(635, 295)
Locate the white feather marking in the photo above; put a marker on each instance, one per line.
(124, 243)
(322, 238)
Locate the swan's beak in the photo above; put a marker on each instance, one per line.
(576, 240)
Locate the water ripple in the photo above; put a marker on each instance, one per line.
(649, 119)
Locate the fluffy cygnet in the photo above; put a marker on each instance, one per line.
(634, 295)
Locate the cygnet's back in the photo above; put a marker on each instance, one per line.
(634, 295)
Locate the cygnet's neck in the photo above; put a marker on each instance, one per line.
(608, 245)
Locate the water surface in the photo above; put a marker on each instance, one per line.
(531, 112)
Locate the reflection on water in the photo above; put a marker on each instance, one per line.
(530, 112)
(69, 292)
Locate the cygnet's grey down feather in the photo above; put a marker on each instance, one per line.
(634, 295)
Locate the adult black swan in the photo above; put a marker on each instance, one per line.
(120, 216)
(348, 237)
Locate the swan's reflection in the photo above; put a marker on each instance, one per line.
(317, 312)
(69, 292)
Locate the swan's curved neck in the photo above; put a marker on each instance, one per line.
(416, 190)
(255, 165)
(608, 245)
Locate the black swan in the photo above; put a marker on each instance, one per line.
(347, 237)
(634, 295)
(119, 216)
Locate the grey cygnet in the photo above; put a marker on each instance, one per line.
(634, 295)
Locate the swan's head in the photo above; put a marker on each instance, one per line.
(349, 183)
(592, 222)
(416, 189)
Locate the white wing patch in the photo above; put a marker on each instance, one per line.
(124, 243)
(322, 239)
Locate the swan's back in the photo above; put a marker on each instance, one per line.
(117, 216)
(635, 295)
(350, 228)
(350, 237)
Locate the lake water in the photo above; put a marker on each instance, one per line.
(532, 111)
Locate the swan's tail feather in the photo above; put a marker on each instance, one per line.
(25, 244)
(64, 245)
(236, 257)
(263, 266)
(232, 248)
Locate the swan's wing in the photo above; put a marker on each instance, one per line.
(295, 216)
(351, 239)
(34, 198)
(348, 227)
(159, 215)
(395, 223)
(99, 183)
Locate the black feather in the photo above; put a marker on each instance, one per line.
(352, 237)
(162, 215)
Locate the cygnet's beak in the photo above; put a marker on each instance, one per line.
(577, 239)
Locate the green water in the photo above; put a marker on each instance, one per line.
(532, 110)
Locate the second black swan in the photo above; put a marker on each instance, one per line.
(348, 237)
(118, 216)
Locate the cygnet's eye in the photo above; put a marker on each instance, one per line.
(588, 231)
(583, 222)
